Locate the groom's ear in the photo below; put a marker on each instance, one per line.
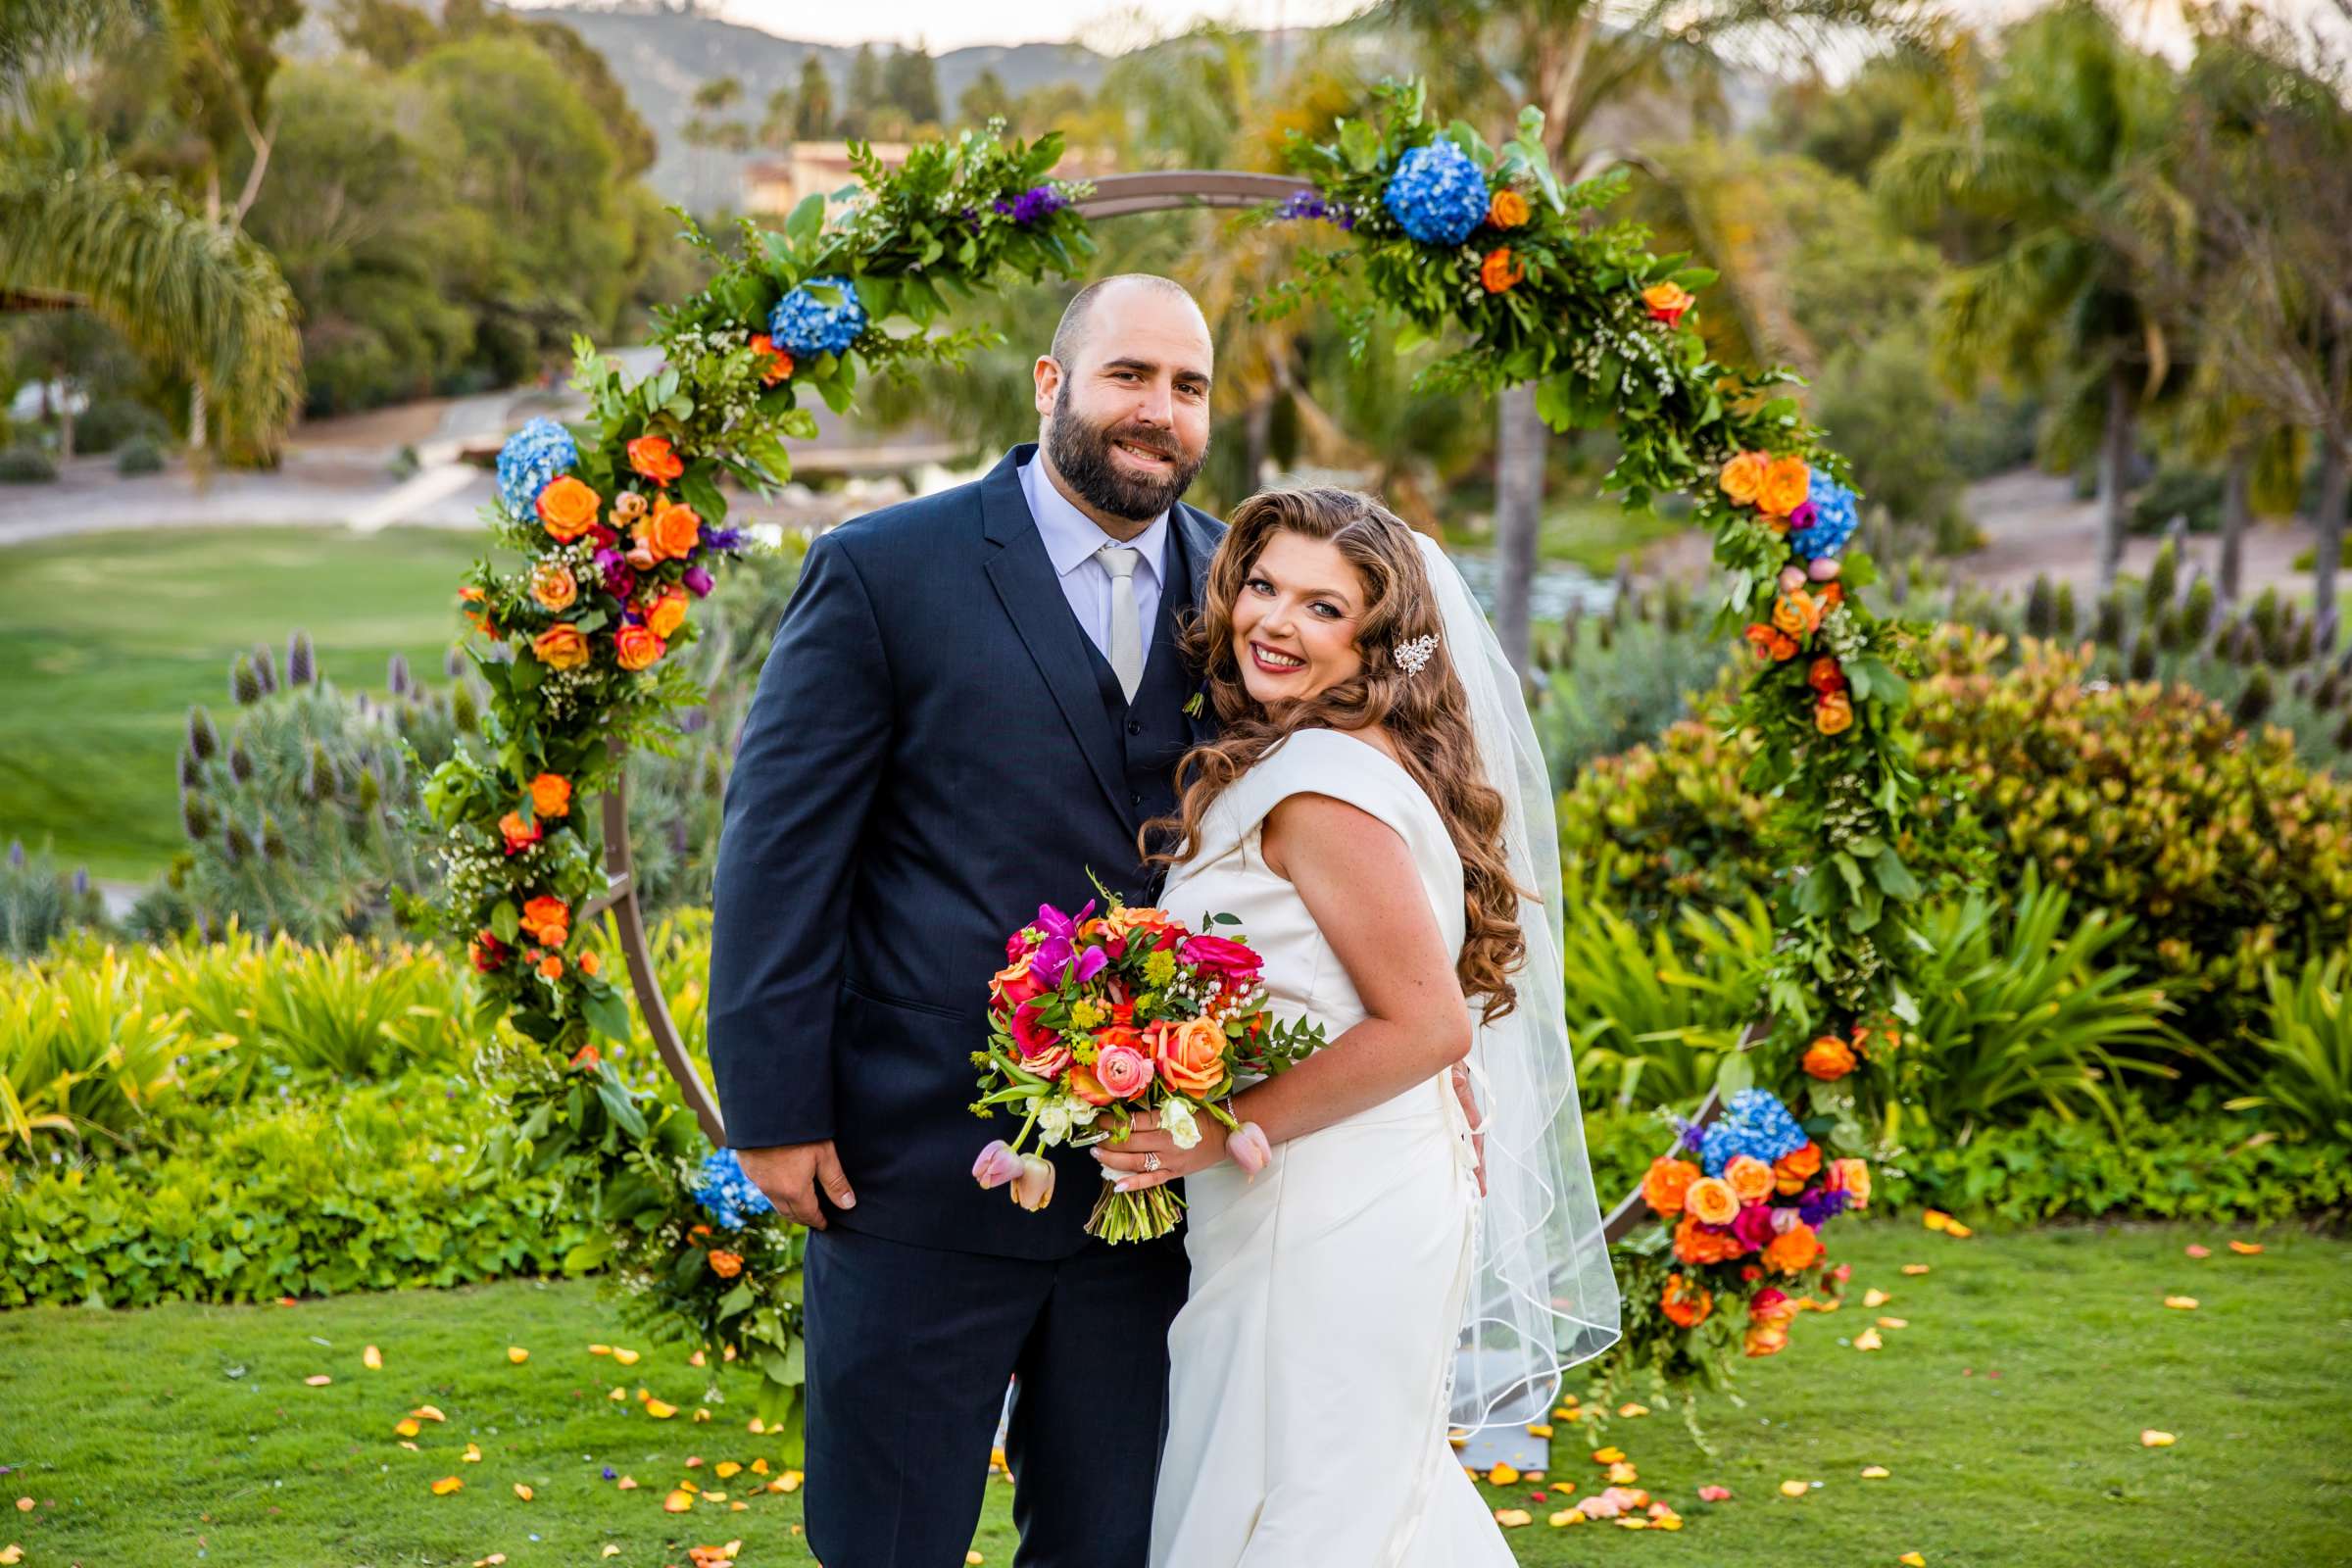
(1048, 373)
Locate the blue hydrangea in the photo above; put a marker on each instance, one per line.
(1835, 519)
(1439, 196)
(727, 1195)
(804, 324)
(532, 456)
(1755, 1123)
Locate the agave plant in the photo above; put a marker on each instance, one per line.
(2018, 1010)
(2307, 1077)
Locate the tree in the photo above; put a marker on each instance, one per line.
(2066, 157)
(1576, 60)
(985, 100)
(864, 97)
(775, 124)
(912, 83)
(813, 103)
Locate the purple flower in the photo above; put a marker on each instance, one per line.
(1820, 1205)
(1804, 515)
(620, 578)
(722, 538)
(698, 581)
(1033, 204)
(1053, 923)
(1688, 1135)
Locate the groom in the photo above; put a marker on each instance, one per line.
(974, 701)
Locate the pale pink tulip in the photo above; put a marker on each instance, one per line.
(1791, 579)
(1250, 1149)
(1824, 569)
(996, 1165)
(1033, 1188)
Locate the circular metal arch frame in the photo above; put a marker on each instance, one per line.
(1115, 196)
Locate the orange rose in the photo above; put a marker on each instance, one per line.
(1787, 482)
(726, 1265)
(1695, 1243)
(519, 834)
(779, 363)
(587, 1056)
(1829, 1058)
(547, 919)
(590, 963)
(551, 795)
(562, 645)
(1767, 1339)
(636, 647)
(1834, 594)
(1685, 1303)
(470, 595)
(1794, 1250)
(651, 456)
(1824, 676)
(667, 614)
(1189, 1056)
(674, 531)
(1711, 1201)
(1507, 209)
(1501, 271)
(1833, 714)
(568, 508)
(1749, 1179)
(1742, 478)
(1668, 1184)
(1796, 1167)
(1666, 300)
(1796, 613)
(554, 585)
(551, 967)
(1086, 1086)
(1852, 1178)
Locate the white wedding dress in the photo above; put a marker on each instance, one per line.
(1309, 1369)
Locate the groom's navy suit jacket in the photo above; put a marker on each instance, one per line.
(936, 748)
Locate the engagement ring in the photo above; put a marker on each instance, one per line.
(1150, 1161)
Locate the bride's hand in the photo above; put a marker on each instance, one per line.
(1131, 1159)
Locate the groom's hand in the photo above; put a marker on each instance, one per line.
(789, 1174)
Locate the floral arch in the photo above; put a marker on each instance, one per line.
(622, 520)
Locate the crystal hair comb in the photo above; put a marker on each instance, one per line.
(1413, 657)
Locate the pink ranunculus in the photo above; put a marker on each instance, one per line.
(1250, 1149)
(1033, 1188)
(1234, 962)
(1123, 1071)
(996, 1165)
(1753, 1229)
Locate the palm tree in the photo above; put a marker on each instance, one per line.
(205, 302)
(1586, 63)
(2065, 161)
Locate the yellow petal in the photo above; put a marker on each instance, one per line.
(789, 1481)
(1876, 1471)
(1915, 1269)
(320, 1381)
(516, 1354)
(1793, 1488)
(714, 1496)
(644, 1395)
(1672, 1521)
(1874, 1297)
(759, 1466)
(702, 1413)
(1513, 1518)
(1502, 1475)
(408, 1428)
(1629, 1522)
(473, 1454)
(1894, 1322)
(758, 1425)
(1608, 1456)
(447, 1485)
(426, 1412)
(972, 1559)
(625, 1484)
(1564, 1518)
(1532, 1478)
(372, 1359)
(1457, 1438)
(696, 1360)
(1623, 1474)
(522, 1492)
(2153, 1438)
(618, 1394)
(12, 1554)
(677, 1503)
(601, 1349)
(1538, 1430)
(726, 1468)
(1958, 1231)
(1629, 1411)
(1935, 1219)
(624, 1357)
(496, 1559)
(658, 1410)
(2182, 1303)
(688, 1486)
(611, 1550)
(1868, 1339)
(1912, 1559)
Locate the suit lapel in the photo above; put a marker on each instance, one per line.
(1192, 540)
(1022, 574)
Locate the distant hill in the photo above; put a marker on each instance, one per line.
(664, 56)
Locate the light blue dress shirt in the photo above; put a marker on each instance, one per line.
(1071, 538)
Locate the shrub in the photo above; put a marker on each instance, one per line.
(1666, 825)
(38, 903)
(85, 1053)
(2178, 492)
(25, 464)
(2305, 1071)
(1652, 1012)
(1607, 687)
(112, 423)
(140, 456)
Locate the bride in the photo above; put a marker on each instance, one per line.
(1377, 814)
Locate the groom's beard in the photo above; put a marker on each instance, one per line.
(1081, 454)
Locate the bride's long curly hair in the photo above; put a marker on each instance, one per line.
(1427, 714)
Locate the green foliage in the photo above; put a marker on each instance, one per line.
(39, 904)
(138, 456)
(373, 1188)
(1653, 1012)
(85, 1055)
(2178, 491)
(1606, 686)
(25, 464)
(2021, 1005)
(2304, 1073)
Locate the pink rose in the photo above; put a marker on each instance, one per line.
(1123, 1071)
(1234, 962)
(1042, 1049)
(1753, 1229)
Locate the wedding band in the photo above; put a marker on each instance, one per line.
(1150, 1161)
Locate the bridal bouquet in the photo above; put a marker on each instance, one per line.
(1096, 1018)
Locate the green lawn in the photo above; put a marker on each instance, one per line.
(2009, 1412)
(111, 636)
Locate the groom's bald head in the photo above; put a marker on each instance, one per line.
(1122, 399)
(1144, 298)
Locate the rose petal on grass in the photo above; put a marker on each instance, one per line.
(1868, 1339)
(1608, 1456)
(618, 1394)
(1958, 1232)
(972, 1559)
(1912, 1559)
(410, 1447)
(473, 1454)
(2245, 1248)
(696, 1360)
(1876, 1471)
(611, 1550)
(1623, 1474)
(624, 1357)
(1502, 1475)
(759, 1466)
(658, 1410)
(12, 1554)
(2195, 1251)
(1714, 1494)
(1915, 1269)
(1793, 1488)
(426, 1412)
(2153, 1438)
(24, 1505)
(522, 1492)
(1632, 1411)
(447, 1485)
(1874, 1297)
(1894, 1322)
(788, 1481)
(701, 1414)
(319, 1380)
(600, 1349)
(625, 1484)
(372, 1359)
(408, 1428)
(727, 1468)
(1513, 1518)
(1935, 1219)
(1566, 1517)
(2182, 1303)
(516, 1354)
(677, 1503)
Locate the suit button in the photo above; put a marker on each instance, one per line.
(1135, 726)
(1135, 799)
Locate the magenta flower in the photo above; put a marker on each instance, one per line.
(697, 582)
